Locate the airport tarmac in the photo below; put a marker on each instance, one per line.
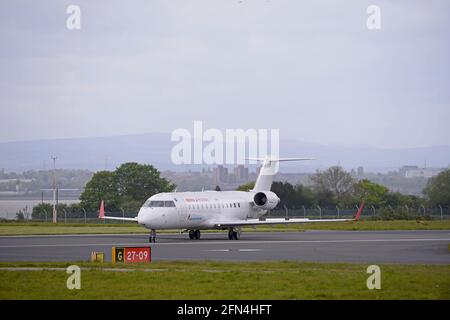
(425, 247)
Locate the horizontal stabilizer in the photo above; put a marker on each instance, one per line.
(268, 170)
(278, 159)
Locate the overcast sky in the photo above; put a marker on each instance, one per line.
(311, 69)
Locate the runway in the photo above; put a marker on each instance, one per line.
(424, 247)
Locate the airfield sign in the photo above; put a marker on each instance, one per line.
(131, 254)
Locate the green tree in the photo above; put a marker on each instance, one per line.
(437, 191)
(335, 180)
(246, 187)
(42, 210)
(372, 193)
(292, 196)
(136, 182)
(127, 187)
(20, 215)
(102, 186)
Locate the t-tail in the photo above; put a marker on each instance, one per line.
(268, 170)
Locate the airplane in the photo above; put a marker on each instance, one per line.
(220, 210)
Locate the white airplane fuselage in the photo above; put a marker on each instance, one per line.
(197, 210)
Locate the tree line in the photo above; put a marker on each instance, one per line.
(127, 188)
(336, 187)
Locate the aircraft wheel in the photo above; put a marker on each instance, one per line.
(191, 234)
(233, 235)
(152, 237)
(197, 234)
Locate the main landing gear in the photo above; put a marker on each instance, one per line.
(234, 234)
(152, 237)
(194, 234)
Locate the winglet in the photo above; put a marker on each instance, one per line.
(101, 213)
(360, 210)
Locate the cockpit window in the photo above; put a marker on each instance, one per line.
(169, 204)
(159, 204)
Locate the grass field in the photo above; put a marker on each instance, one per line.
(30, 228)
(226, 280)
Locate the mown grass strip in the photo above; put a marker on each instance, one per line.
(227, 280)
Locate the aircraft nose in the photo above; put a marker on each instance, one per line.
(141, 218)
(147, 216)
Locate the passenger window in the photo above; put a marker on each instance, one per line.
(234, 205)
(239, 205)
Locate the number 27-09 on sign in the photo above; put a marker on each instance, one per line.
(137, 254)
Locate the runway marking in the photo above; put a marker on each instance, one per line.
(228, 250)
(254, 242)
(219, 233)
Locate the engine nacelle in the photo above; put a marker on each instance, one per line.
(266, 200)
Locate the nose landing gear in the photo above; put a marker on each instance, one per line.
(152, 237)
(194, 234)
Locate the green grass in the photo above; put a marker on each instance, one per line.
(47, 228)
(228, 280)
(30, 228)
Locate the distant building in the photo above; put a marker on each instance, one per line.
(241, 173)
(220, 175)
(360, 172)
(416, 171)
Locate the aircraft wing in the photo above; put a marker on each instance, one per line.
(256, 222)
(101, 214)
(119, 218)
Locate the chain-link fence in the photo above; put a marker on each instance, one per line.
(370, 212)
(316, 212)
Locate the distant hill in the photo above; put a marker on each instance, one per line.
(155, 148)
